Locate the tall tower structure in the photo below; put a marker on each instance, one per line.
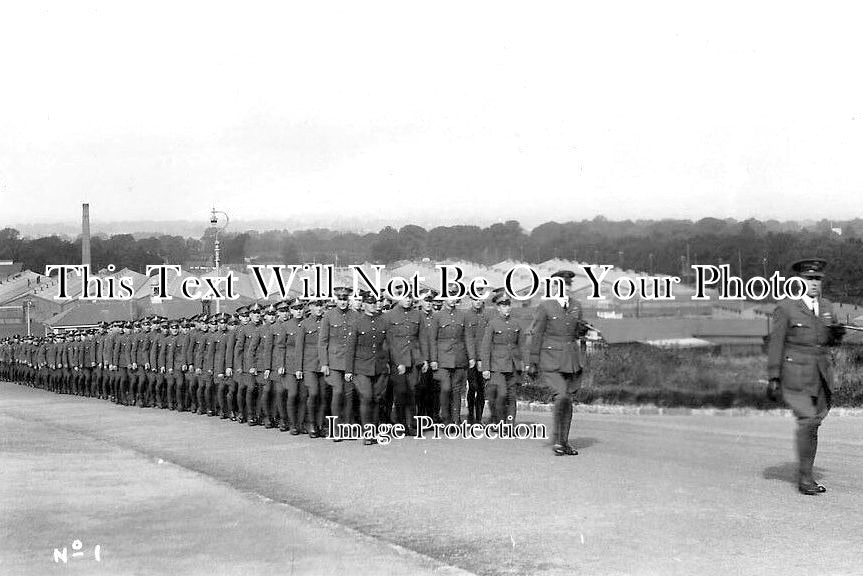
(85, 235)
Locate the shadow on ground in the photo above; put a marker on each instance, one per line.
(787, 472)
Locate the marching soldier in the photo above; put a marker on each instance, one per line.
(250, 360)
(223, 340)
(798, 363)
(243, 333)
(332, 343)
(477, 319)
(428, 386)
(123, 362)
(171, 362)
(264, 365)
(501, 357)
(407, 343)
(556, 352)
(309, 368)
(366, 361)
(451, 353)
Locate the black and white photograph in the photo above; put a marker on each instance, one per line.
(389, 288)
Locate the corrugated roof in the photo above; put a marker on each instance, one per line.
(87, 313)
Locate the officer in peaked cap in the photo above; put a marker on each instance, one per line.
(798, 363)
(555, 350)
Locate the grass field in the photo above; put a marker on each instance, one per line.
(640, 374)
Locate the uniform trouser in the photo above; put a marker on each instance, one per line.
(231, 393)
(475, 394)
(265, 389)
(86, 381)
(139, 385)
(342, 405)
(317, 406)
(810, 412)
(426, 390)
(174, 388)
(204, 395)
(563, 386)
(404, 391)
(245, 389)
(451, 390)
(192, 384)
(371, 390)
(155, 388)
(291, 398)
(500, 391)
(222, 389)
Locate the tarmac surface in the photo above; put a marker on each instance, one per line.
(162, 492)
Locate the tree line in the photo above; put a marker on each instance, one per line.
(749, 247)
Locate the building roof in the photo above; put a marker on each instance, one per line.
(87, 313)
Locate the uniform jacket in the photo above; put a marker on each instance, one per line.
(123, 350)
(476, 323)
(450, 344)
(502, 344)
(406, 337)
(553, 337)
(285, 346)
(333, 338)
(307, 344)
(797, 351)
(366, 352)
(252, 333)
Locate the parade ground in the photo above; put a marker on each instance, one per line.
(151, 491)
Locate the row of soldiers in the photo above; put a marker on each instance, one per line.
(292, 364)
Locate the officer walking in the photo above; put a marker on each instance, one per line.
(798, 363)
(556, 352)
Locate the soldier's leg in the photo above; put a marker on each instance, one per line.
(265, 387)
(511, 400)
(171, 389)
(286, 392)
(179, 390)
(231, 397)
(809, 419)
(220, 385)
(336, 382)
(251, 393)
(363, 385)
(444, 376)
(288, 398)
(457, 384)
(386, 405)
(474, 412)
(314, 415)
(207, 403)
(410, 407)
(560, 398)
(242, 382)
(496, 388)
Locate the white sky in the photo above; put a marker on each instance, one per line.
(531, 111)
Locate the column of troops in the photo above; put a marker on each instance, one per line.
(292, 364)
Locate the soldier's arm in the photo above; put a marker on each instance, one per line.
(424, 336)
(469, 342)
(536, 333)
(433, 329)
(485, 347)
(776, 344)
(351, 347)
(298, 349)
(324, 341)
